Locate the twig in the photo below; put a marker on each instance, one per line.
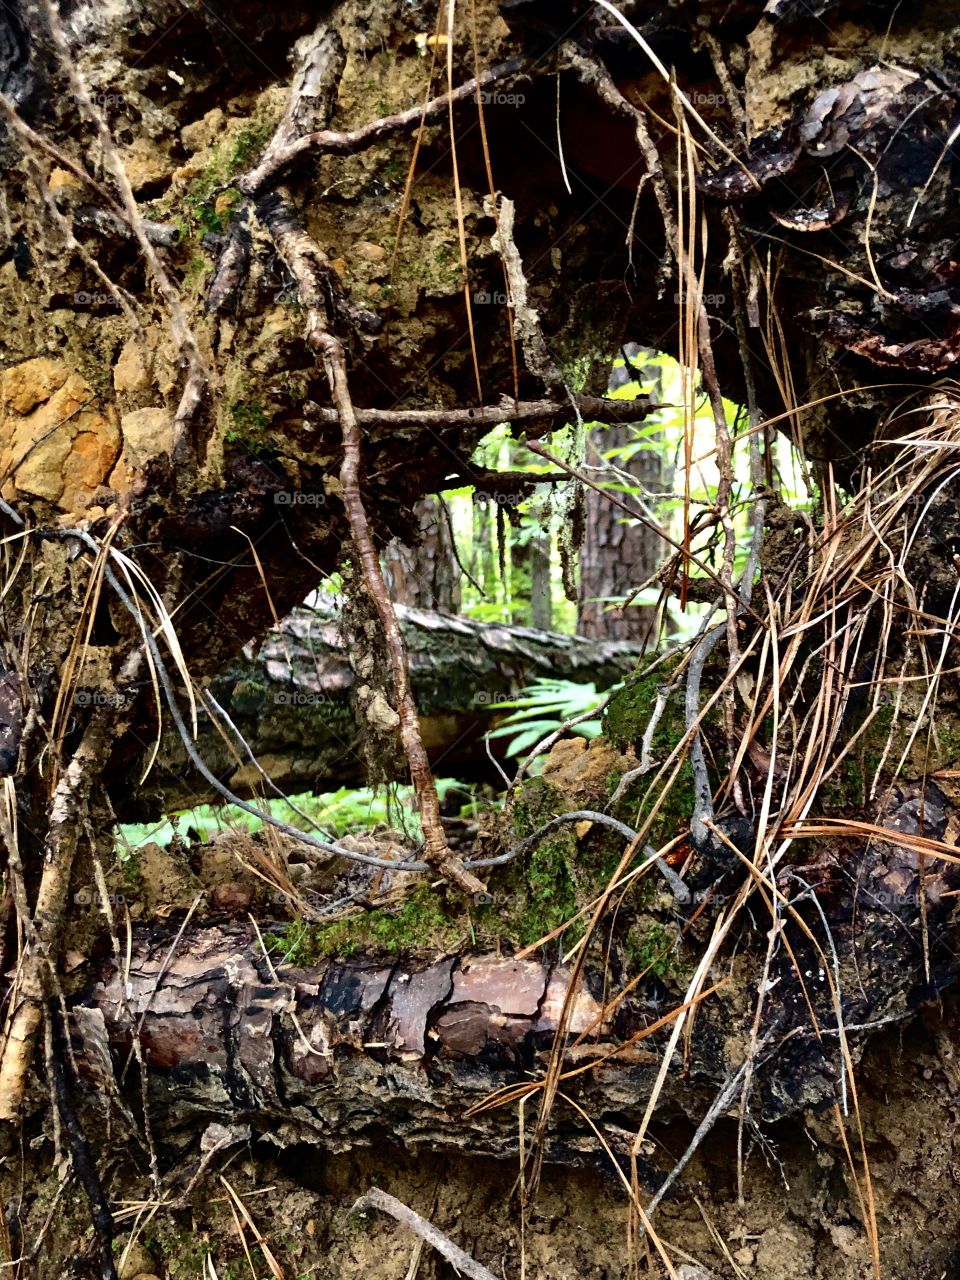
(436, 850)
(535, 447)
(675, 884)
(277, 161)
(107, 223)
(460, 1261)
(592, 72)
(554, 736)
(702, 791)
(716, 1109)
(547, 411)
(526, 321)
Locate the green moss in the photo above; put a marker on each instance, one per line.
(625, 722)
(420, 923)
(241, 1267)
(206, 192)
(250, 421)
(200, 201)
(247, 145)
(649, 946)
(628, 713)
(184, 1256)
(130, 871)
(196, 269)
(551, 895)
(394, 170)
(557, 877)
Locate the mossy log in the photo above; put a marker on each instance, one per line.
(292, 701)
(341, 1051)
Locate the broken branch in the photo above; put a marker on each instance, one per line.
(460, 1261)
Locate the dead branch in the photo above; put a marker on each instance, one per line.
(68, 807)
(460, 1261)
(535, 447)
(84, 1165)
(545, 413)
(436, 850)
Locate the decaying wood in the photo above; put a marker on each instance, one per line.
(291, 700)
(348, 1050)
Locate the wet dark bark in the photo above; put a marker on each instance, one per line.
(346, 1051)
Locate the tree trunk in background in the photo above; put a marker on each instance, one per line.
(541, 600)
(530, 592)
(425, 575)
(617, 554)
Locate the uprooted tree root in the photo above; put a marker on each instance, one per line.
(748, 880)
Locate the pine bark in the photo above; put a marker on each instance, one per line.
(617, 555)
(425, 574)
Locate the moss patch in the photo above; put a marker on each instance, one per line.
(420, 923)
(624, 722)
(649, 947)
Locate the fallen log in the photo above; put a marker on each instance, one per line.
(340, 1053)
(292, 700)
(350, 1050)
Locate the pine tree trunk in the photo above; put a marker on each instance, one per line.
(425, 575)
(617, 555)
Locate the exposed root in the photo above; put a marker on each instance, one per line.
(309, 267)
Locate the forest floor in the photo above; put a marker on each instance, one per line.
(797, 1221)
